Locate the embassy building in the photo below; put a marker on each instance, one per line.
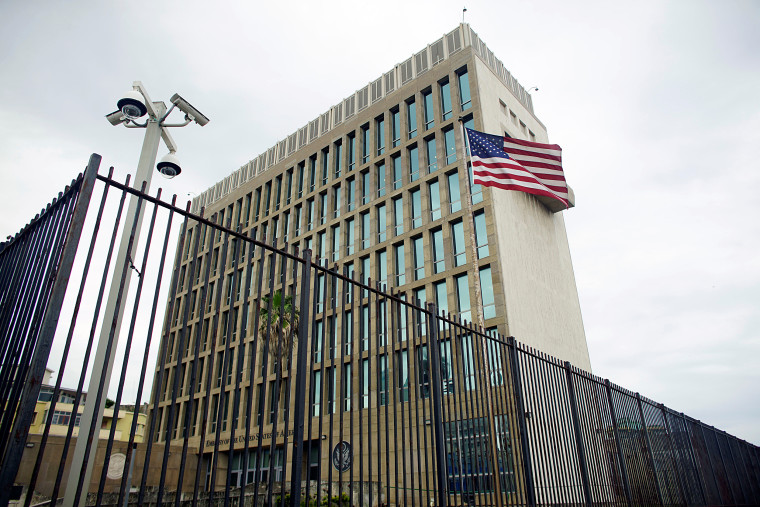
(379, 186)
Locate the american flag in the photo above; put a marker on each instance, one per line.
(514, 164)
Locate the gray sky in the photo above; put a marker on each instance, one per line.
(655, 104)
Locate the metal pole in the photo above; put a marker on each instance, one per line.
(437, 402)
(91, 412)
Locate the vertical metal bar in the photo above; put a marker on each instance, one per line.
(12, 457)
(437, 402)
(395, 360)
(649, 449)
(383, 321)
(619, 448)
(530, 492)
(300, 402)
(578, 436)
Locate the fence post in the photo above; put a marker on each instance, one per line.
(578, 435)
(300, 401)
(530, 491)
(437, 402)
(649, 448)
(12, 458)
(621, 457)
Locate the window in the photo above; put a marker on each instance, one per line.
(285, 229)
(325, 165)
(312, 173)
(419, 258)
(365, 383)
(457, 237)
(449, 145)
(420, 299)
(350, 236)
(267, 196)
(298, 220)
(365, 230)
(455, 203)
(351, 152)
(319, 335)
(402, 368)
(346, 380)
(257, 204)
(316, 393)
(397, 173)
(435, 201)
(486, 293)
(380, 171)
(383, 384)
(348, 328)
(414, 164)
(365, 144)
(288, 186)
(446, 101)
(380, 136)
(322, 245)
(364, 327)
(381, 223)
(402, 311)
(416, 201)
(481, 235)
(365, 187)
(463, 297)
(464, 91)
(246, 214)
(441, 296)
(439, 265)
(310, 214)
(400, 264)
(382, 268)
(351, 194)
(398, 215)
(432, 156)
(350, 286)
(427, 109)
(338, 148)
(336, 242)
(301, 170)
(336, 201)
(411, 118)
(395, 128)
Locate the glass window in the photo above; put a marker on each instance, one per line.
(316, 393)
(382, 267)
(446, 101)
(439, 265)
(338, 147)
(298, 220)
(285, 228)
(400, 265)
(246, 214)
(398, 215)
(403, 375)
(411, 117)
(463, 297)
(414, 164)
(312, 172)
(464, 91)
(365, 383)
(365, 187)
(364, 327)
(325, 165)
(350, 236)
(351, 152)
(322, 208)
(381, 223)
(310, 214)
(365, 230)
(419, 258)
(397, 173)
(336, 242)
(277, 191)
(351, 194)
(383, 387)
(288, 186)
(423, 363)
(449, 144)
(336, 201)
(257, 204)
(267, 196)
(476, 191)
(481, 235)
(416, 200)
(395, 128)
(365, 144)
(322, 245)
(432, 156)
(366, 273)
(454, 196)
(457, 236)
(301, 170)
(486, 293)
(441, 296)
(435, 200)
(380, 136)
(427, 105)
(420, 299)
(381, 180)
(346, 387)
(402, 311)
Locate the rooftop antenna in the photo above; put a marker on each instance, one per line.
(464, 9)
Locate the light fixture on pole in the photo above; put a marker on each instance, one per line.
(134, 105)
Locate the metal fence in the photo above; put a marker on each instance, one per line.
(277, 379)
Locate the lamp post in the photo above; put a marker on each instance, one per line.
(134, 105)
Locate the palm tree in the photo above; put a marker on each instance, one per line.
(287, 322)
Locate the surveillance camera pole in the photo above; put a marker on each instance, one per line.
(79, 478)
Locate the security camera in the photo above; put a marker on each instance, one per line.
(169, 165)
(189, 110)
(116, 118)
(132, 105)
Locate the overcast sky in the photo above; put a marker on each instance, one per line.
(656, 106)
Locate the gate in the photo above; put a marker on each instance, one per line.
(250, 373)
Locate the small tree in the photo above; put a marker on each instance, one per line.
(282, 326)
